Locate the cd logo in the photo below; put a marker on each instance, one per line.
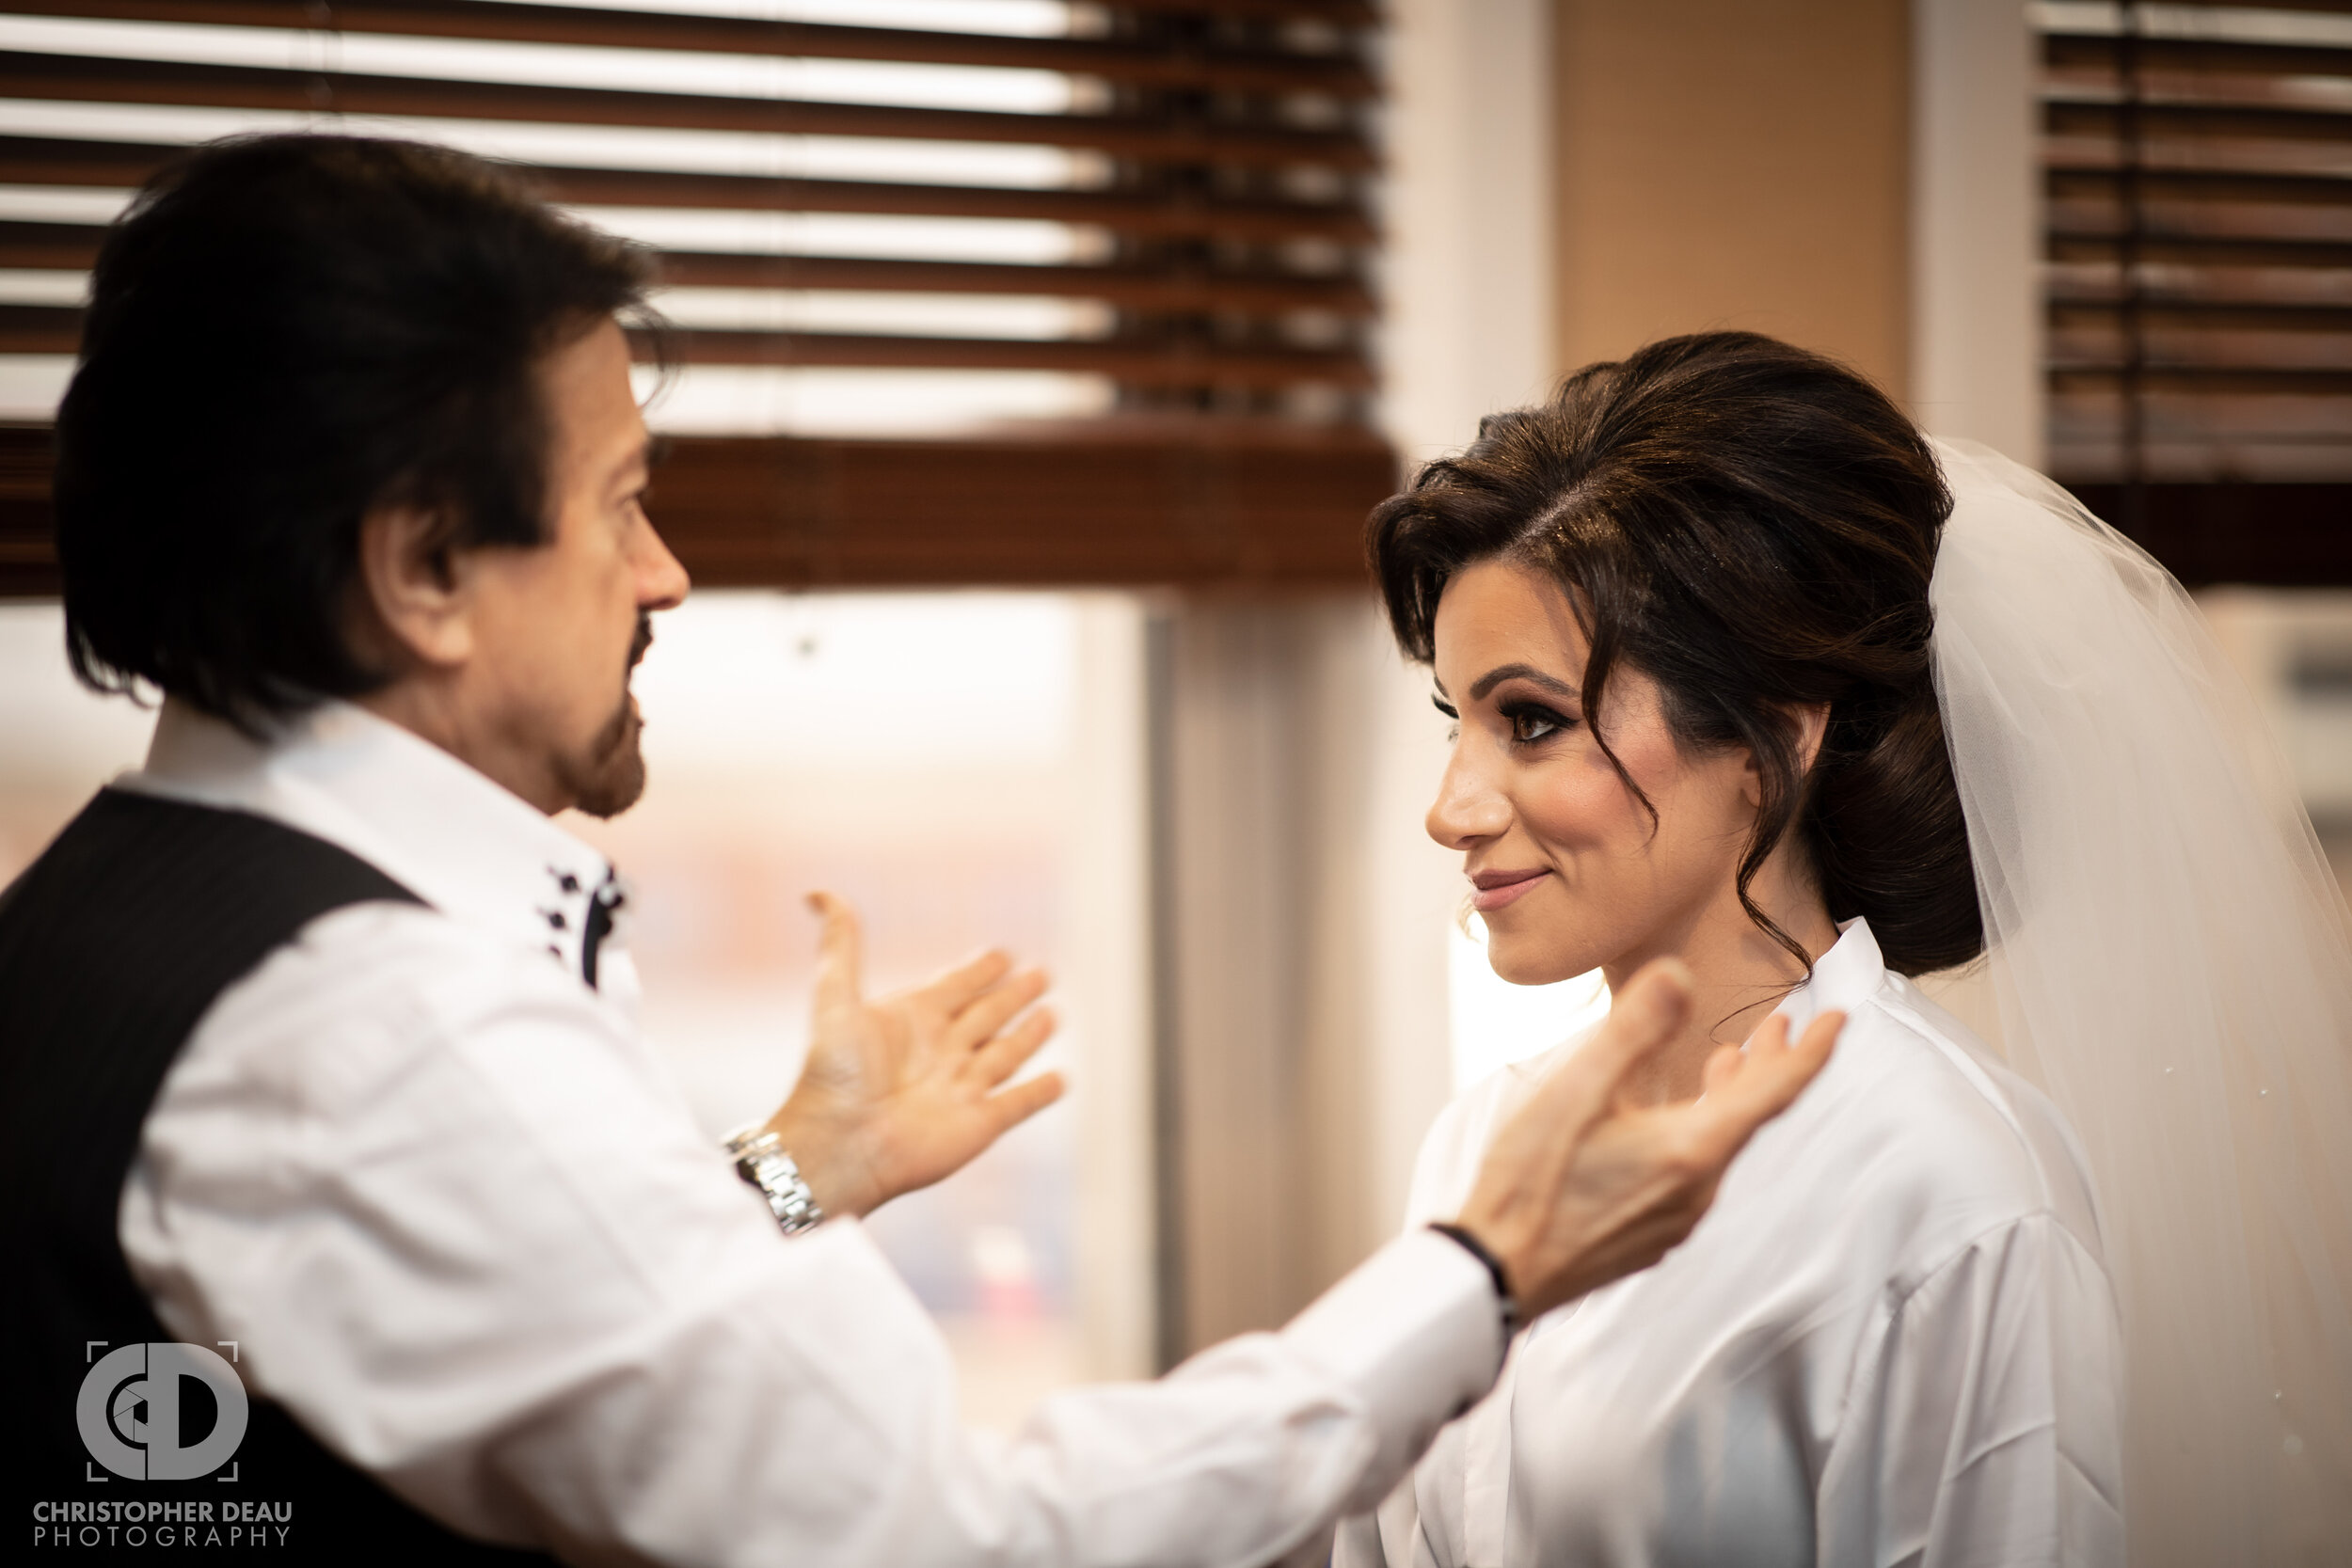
(128, 1412)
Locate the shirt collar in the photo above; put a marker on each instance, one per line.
(462, 843)
(1846, 976)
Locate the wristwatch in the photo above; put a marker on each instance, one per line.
(760, 1160)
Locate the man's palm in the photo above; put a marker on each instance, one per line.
(904, 1089)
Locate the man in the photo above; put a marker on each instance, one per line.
(314, 1057)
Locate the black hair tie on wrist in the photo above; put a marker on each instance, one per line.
(1476, 1248)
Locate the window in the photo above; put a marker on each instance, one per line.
(921, 755)
(1492, 1022)
(2199, 277)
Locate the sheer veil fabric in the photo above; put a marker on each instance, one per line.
(2171, 965)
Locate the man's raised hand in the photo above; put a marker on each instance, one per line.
(904, 1089)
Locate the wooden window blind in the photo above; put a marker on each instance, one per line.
(967, 291)
(2199, 279)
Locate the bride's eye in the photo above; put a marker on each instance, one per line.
(1531, 722)
(1453, 717)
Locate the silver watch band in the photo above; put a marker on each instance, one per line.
(760, 1160)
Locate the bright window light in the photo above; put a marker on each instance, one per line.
(1005, 18)
(1014, 242)
(737, 400)
(919, 85)
(757, 680)
(61, 203)
(43, 286)
(1013, 166)
(1496, 1022)
(31, 384)
(1032, 318)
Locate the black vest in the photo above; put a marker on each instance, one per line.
(112, 945)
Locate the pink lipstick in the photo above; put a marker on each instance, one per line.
(1498, 888)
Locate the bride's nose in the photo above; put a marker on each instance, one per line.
(1469, 807)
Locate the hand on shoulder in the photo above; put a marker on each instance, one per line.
(1579, 1189)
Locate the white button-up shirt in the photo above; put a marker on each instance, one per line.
(462, 1228)
(1891, 1341)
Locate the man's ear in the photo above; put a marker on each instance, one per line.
(1808, 725)
(416, 593)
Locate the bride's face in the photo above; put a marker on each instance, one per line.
(1571, 873)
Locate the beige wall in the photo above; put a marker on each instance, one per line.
(1734, 164)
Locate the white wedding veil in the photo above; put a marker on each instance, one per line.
(2171, 965)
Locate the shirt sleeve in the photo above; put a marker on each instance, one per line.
(466, 1232)
(1982, 1428)
(1395, 1535)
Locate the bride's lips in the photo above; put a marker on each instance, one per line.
(1497, 888)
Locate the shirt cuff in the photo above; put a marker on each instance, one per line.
(1416, 1334)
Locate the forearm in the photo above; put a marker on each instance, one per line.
(810, 1417)
(521, 1289)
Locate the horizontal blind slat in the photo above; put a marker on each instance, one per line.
(42, 161)
(2200, 119)
(41, 330)
(56, 329)
(57, 246)
(2223, 56)
(489, 21)
(56, 161)
(2164, 313)
(2065, 245)
(2063, 180)
(73, 78)
(2324, 6)
(2311, 383)
(1136, 288)
(1146, 364)
(75, 246)
(1337, 14)
(1211, 502)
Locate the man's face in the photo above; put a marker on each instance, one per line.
(558, 627)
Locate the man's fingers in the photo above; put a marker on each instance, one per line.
(1722, 1067)
(1001, 1057)
(840, 951)
(953, 991)
(1724, 1064)
(1770, 1075)
(1025, 1100)
(1646, 1014)
(972, 1027)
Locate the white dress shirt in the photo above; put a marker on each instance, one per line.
(462, 1228)
(1891, 1341)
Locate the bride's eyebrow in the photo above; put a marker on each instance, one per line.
(1527, 672)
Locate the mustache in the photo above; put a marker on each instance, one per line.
(643, 640)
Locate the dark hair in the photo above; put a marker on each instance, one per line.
(1754, 526)
(285, 332)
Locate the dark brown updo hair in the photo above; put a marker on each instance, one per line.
(1754, 526)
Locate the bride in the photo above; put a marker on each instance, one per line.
(1747, 672)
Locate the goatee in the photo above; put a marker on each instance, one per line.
(611, 777)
